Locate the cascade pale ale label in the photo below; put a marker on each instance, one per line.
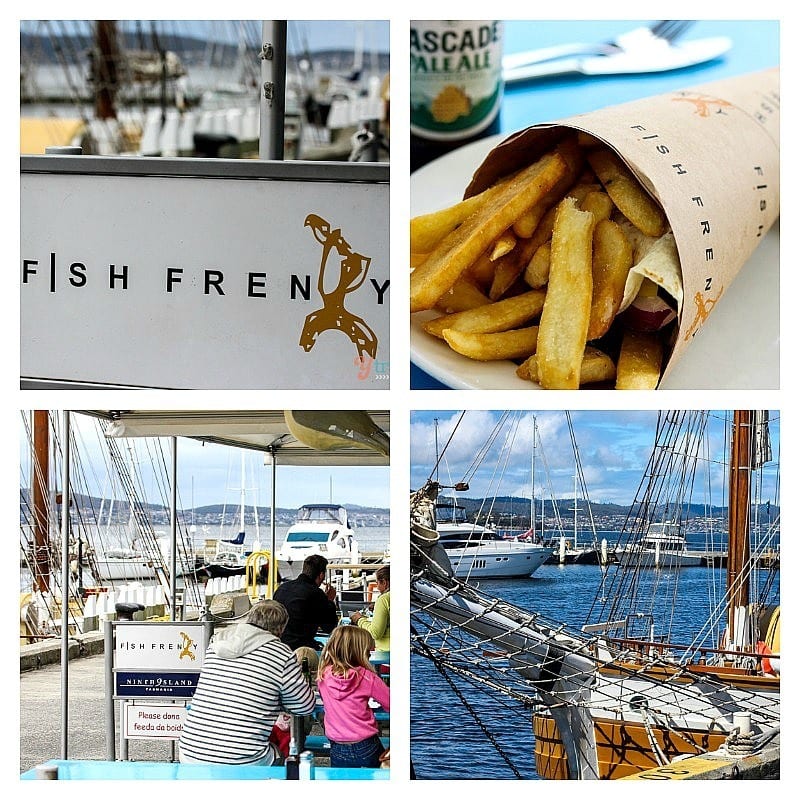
(456, 79)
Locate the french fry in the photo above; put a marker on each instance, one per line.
(565, 317)
(550, 243)
(501, 316)
(612, 258)
(596, 367)
(509, 269)
(427, 230)
(460, 248)
(461, 296)
(626, 192)
(482, 271)
(519, 343)
(599, 203)
(639, 363)
(537, 272)
(505, 243)
(527, 223)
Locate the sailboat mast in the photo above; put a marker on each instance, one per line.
(436, 445)
(241, 496)
(40, 493)
(739, 521)
(575, 510)
(104, 69)
(533, 482)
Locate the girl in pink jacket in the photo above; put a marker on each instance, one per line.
(346, 682)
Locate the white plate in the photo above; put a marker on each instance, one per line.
(738, 348)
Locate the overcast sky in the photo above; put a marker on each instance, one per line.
(613, 447)
(211, 473)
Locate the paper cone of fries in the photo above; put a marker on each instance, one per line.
(709, 156)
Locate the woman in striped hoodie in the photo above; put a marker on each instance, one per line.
(248, 677)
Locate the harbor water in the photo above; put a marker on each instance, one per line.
(448, 742)
(370, 540)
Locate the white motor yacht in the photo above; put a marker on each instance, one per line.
(476, 551)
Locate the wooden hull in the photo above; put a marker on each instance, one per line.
(623, 748)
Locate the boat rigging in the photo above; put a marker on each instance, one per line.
(610, 701)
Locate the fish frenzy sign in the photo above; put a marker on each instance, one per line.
(159, 646)
(204, 273)
(158, 659)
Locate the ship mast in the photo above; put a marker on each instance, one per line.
(738, 585)
(104, 69)
(40, 496)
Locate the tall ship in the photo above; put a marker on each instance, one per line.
(622, 694)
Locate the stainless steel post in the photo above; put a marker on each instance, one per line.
(273, 89)
(65, 504)
(273, 559)
(108, 650)
(173, 528)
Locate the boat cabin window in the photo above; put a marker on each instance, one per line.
(322, 514)
(308, 536)
(467, 538)
(451, 514)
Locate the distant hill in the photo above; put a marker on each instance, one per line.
(506, 509)
(73, 49)
(88, 509)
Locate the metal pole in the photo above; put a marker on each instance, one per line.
(173, 522)
(273, 560)
(111, 731)
(65, 592)
(173, 526)
(273, 89)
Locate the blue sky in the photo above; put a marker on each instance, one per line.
(614, 447)
(211, 473)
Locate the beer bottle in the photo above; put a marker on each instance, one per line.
(456, 84)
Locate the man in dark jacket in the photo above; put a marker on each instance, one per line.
(310, 608)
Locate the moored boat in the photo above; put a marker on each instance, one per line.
(663, 545)
(319, 529)
(621, 694)
(477, 551)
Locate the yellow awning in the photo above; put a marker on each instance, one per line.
(35, 134)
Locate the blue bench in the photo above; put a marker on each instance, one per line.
(321, 746)
(160, 771)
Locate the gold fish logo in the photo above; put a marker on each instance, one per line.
(704, 105)
(703, 308)
(333, 316)
(188, 644)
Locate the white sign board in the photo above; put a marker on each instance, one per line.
(159, 646)
(153, 721)
(204, 273)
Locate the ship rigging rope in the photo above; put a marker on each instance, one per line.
(440, 456)
(425, 650)
(674, 688)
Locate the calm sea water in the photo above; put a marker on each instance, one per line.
(446, 740)
(370, 539)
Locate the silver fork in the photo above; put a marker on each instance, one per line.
(645, 49)
(666, 29)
